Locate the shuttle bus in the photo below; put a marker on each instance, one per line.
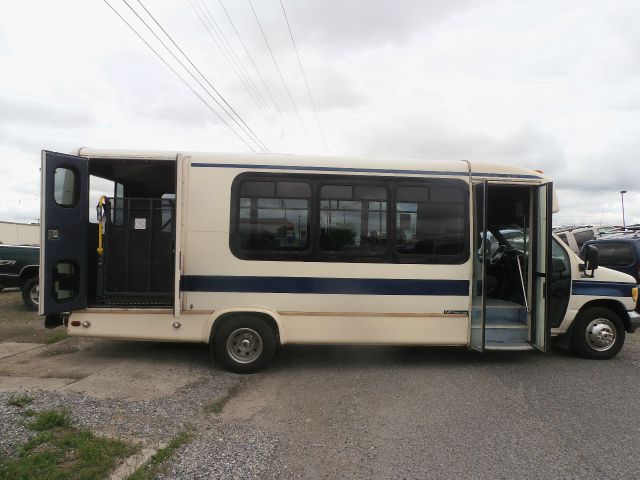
(249, 252)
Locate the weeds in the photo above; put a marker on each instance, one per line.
(61, 451)
(218, 404)
(56, 337)
(20, 401)
(154, 466)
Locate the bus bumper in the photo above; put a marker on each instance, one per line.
(634, 321)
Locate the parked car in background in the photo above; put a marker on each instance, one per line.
(19, 267)
(620, 251)
(577, 235)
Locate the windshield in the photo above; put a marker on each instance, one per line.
(512, 236)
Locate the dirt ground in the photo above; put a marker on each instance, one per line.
(17, 324)
(33, 358)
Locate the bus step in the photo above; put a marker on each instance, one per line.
(515, 346)
(505, 335)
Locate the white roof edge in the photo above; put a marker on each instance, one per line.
(128, 154)
(456, 166)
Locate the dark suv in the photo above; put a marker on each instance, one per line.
(619, 251)
(19, 267)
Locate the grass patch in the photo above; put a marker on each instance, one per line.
(49, 420)
(19, 401)
(218, 404)
(151, 469)
(56, 337)
(60, 451)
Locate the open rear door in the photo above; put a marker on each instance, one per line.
(182, 164)
(480, 243)
(64, 218)
(540, 327)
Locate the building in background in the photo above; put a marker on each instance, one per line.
(12, 233)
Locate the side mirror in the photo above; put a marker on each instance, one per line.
(590, 258)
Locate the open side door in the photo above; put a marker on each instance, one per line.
(480, 244)
(182, 164)
(540, 327)
(64, 218)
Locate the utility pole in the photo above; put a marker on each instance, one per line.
(622, 192)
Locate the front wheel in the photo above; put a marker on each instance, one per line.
(244, 344)
(598, 333)
(31, 293)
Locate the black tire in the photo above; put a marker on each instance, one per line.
(27, 287)
(585, 339)
(255, 352)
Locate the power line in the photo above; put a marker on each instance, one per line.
(180, 77)
(212, 29)
(313, 104)
(284, 83)
(250, 132)
(246, 50)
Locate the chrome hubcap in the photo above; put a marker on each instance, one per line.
(601, 334)
(244, 345)
(34, 294)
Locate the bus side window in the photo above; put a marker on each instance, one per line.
(274, 216)
(353, 218)
(430, 221)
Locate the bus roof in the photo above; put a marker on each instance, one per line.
(392, 166)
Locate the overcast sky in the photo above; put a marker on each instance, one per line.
(551, 85)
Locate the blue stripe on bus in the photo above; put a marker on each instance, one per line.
(356, 170)
(344, 286)
(601, 289)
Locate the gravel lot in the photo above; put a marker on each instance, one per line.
(356, 412)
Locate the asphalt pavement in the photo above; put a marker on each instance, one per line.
(338, 411)
(377, 412)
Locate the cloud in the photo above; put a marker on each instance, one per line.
(18, 110)
(364, 24)
(538, 83)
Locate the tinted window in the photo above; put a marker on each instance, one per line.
(611, 254)
(563, 237)
(346, 218)
(66, 281)
(353, 218)
(559, 259)
(167, 212)
(430, 220)
(65, 191)
(582, 237)
(274, 216)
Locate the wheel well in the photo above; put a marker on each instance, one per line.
(613, 305)
(28, 272)
(225, 317)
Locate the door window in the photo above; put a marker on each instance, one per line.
(66, 280)
(65, 187)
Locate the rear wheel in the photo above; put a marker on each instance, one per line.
(598, 333)
(31, 293)
(244, 344)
